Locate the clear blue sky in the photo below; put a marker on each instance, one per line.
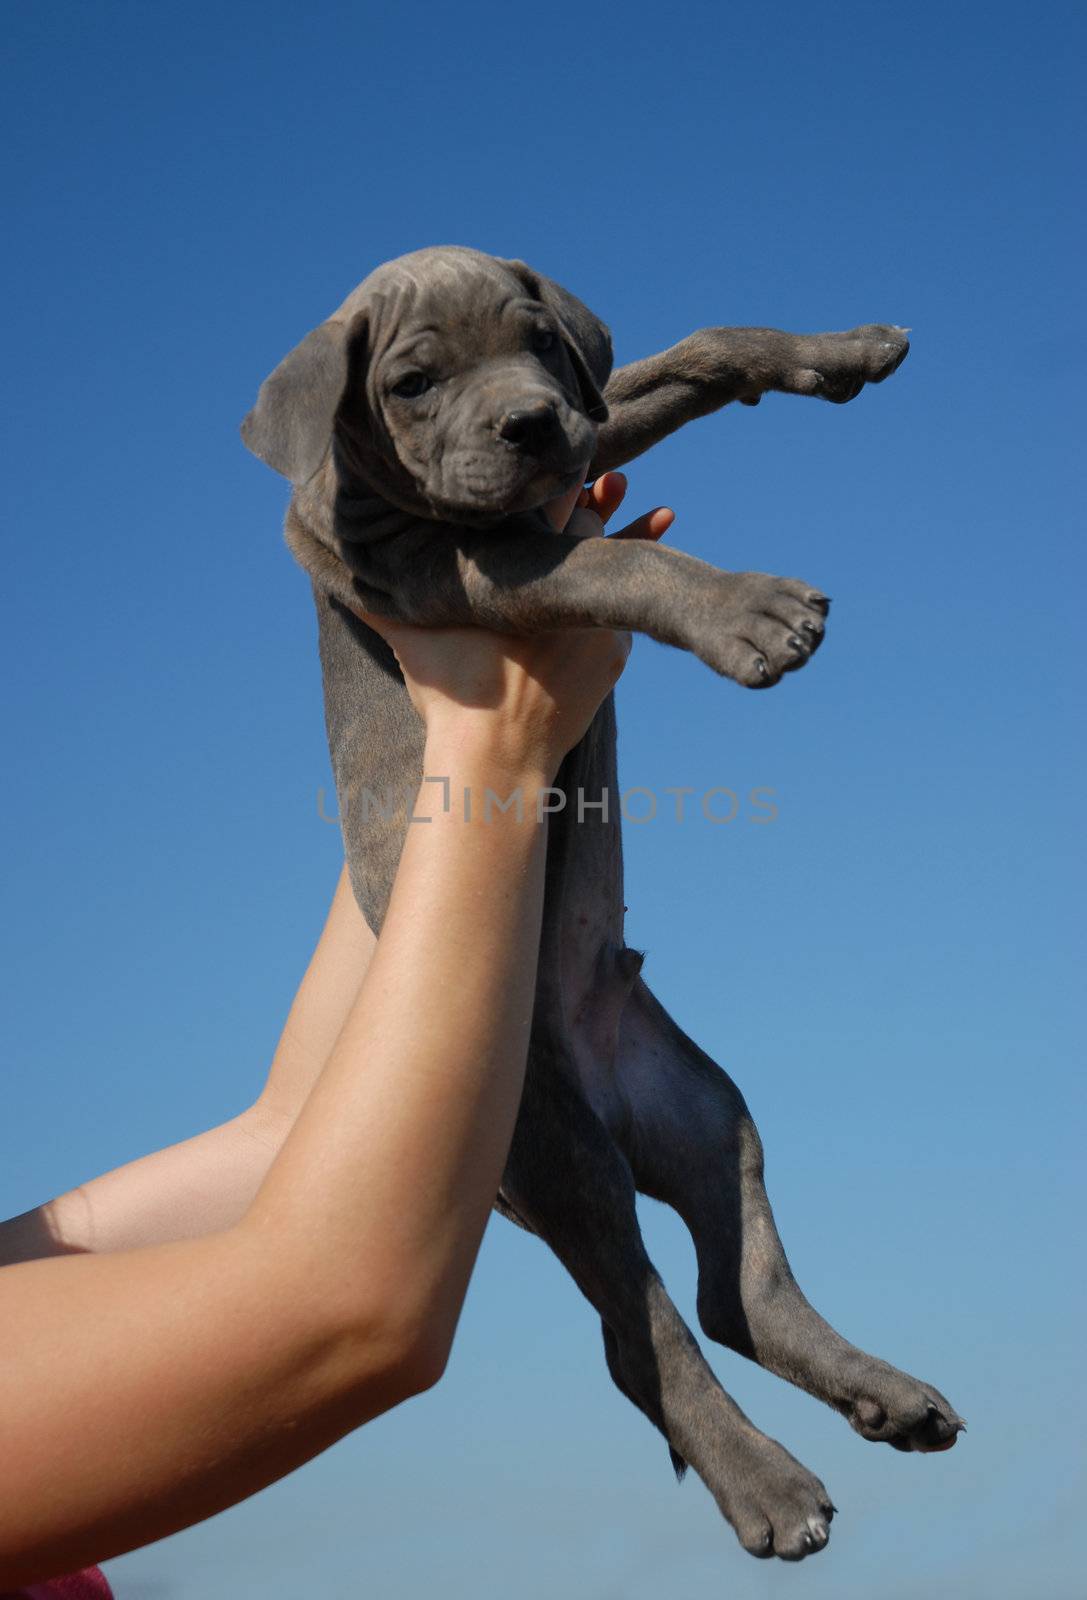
(889, 969)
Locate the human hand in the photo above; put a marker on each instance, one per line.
(519, 701)
(585, 511)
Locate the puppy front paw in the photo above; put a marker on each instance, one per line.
(836, 366)
(760, 628)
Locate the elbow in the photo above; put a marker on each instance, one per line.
(393, 1360)
(419, 1366)
(417, 1325)
(421, 1348)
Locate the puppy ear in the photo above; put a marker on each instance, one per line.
(290, 427)
(587, 339)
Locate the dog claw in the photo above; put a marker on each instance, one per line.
(769, 627)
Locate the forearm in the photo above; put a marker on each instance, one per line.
(144, 1390)
(749, 626)
(199, 1186)
(649, 399)
(535, 583)
(208, 1182)
(409, 1127)
(200, 1371)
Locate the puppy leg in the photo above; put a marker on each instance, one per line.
(695, 1147)
(746, 625)
(650, 399)
(569, 1183)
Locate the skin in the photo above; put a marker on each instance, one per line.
(207, 1182)
(256, 1293)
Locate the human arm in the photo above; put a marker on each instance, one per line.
(206, 1182)
(145, 1389)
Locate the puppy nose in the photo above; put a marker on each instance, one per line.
(530, 428)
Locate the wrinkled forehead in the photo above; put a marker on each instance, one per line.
(437, 286)
(442, 269)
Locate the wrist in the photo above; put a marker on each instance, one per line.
(483, 787)
(478, 751)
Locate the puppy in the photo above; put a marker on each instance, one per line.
(422, 427)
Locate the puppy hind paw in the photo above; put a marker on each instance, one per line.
(776, 1506)
(907, 1415)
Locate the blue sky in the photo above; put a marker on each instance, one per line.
(890, 969)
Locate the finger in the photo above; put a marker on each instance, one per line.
(614, 645)
(585, 524)
(654, 525)
(606, 494)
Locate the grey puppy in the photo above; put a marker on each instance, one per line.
(422, 427)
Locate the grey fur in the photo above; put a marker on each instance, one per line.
(426, 507)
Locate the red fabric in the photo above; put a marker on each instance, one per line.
(88, 1585)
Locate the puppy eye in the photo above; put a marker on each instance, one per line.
(411, 385)
(543, 339)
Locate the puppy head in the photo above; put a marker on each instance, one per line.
(454, 384)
